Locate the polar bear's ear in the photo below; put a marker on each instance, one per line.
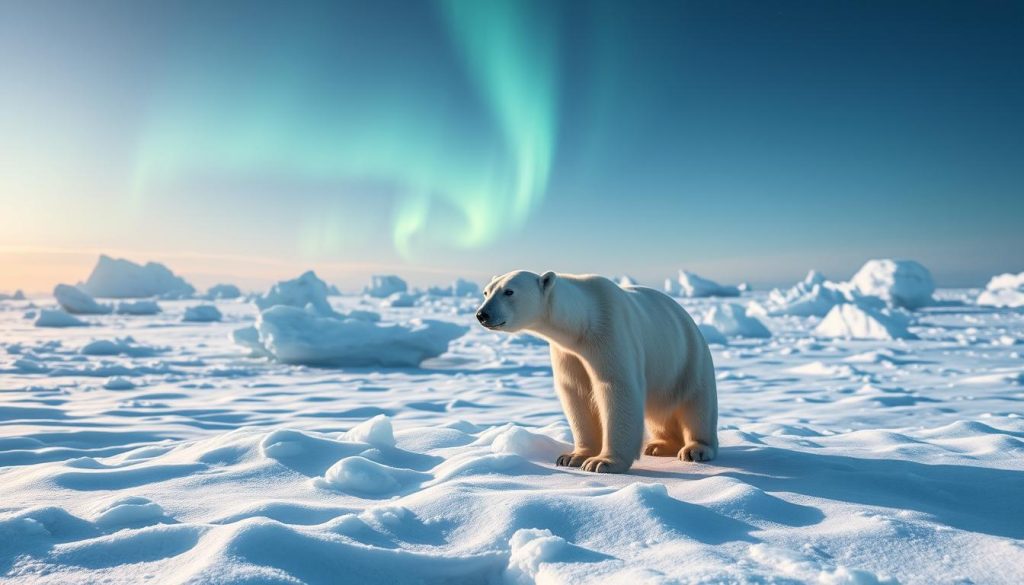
(547, 280)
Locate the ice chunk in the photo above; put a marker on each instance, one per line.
(124, 346)
(688, 284)
(858, 322)
(297, 336)
(732, 320)
(77, 302)
(385, 285)
(401, 299)
(299, 292)
(531, 547)
(202, 314)
(1005, 290)
(712, 335)
(18, 295)
(57, 318)
(122, 279)
(223, 291)
(901, 283)
(138, 308)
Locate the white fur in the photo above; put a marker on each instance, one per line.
(621, 356)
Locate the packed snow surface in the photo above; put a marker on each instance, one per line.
(146, 449)
(902, 283)
(1005, 290)
(688, 284)
(123, 279)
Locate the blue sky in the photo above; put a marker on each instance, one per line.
(743, 140)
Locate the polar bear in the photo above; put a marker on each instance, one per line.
(620, 356)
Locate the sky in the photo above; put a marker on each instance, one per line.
(747, 141)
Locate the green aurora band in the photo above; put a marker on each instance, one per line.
(457, 181)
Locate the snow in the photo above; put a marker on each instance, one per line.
(297, 336)
(856, 322)
(299, 292)
(732, 320)
(76, 302)
(688, 284)
(137, 308)
(147, 449)
(122, 279)
(57, 318)
(1004, 290)
(202, 314)
(385, 285)
(222, 291)
(901, 283)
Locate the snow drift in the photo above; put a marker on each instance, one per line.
(858, 322)
(1005, 290)
(122, 279)
(688, 284)
(900, 283)
(297, 336)
(76, 302)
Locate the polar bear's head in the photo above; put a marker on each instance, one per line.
(515, 301)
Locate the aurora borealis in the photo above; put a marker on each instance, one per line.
(744, 140)
(282, 112)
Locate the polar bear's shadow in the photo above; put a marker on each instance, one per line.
(975, 499)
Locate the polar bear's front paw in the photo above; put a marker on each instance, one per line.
(571, 459)
(604, 464)
(697, 452)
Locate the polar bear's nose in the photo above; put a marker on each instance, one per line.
(482, 316)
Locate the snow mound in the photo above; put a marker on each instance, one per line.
(385, 285)
(123, 279)
(732, 320)
(688, 284)
(1005, 290)
(376, 431)
(77, 302)
(222, 292)
(901, 283)
(307, 289)
(201, 314)
(530, 548)
(516, 440)
(128, 511)
(856, 322)
(360, 475)
(297, 336)
(57, 318)
(137, 308)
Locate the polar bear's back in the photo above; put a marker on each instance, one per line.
(676, 355)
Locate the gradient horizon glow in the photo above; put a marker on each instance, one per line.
(744, 140)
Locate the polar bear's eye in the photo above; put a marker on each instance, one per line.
(508, 293)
